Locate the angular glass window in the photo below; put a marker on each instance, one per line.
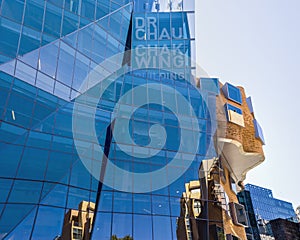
(258, 131)
(249, 103)
(232, 93)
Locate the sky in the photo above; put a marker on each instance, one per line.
(255, 44)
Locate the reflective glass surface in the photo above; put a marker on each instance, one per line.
(49, 50)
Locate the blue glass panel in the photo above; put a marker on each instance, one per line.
(30, 58)
(25, 73)
(54, 195)
(13, 214)
(102, 8)
(115, 23)
(40, 140)
(76, 196)
(80, 175)
(10, 132)
(44, 82)
(160, 205)
(88, 9)
(3, 58)
(122, 225)
(70, 22)
(63, 125)
(62, 91)
(25, 192)
(5, 185)
(62, 144)
(73, 6)
(65, 64)
(232, 93)
(48, 59)
(102, 227)
(99, 44)
(112, 46)
(53, 18)
(142, 203)
(19, 110)
(105, 204)
(173, 139)
(47, 215)
(58, 166)
(13, 9)
(122, 202)
(85, 39)
(33, 164)
(81, 70)
(11, 31)
(162, 228)
(23, 229)
(30, 40)
(43, 113)
(142, 227)
(57, 2)
(34, 12)
(175, 207)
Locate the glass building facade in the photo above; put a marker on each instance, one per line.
(267, 207)
(48, 49)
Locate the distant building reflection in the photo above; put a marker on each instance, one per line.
(78, 223)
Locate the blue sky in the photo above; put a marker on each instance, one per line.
(255, 44)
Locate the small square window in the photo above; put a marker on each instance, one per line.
(234, 115)
(232, 93)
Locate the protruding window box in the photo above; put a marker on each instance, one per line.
(258, 131)
(238, 214)
(232, 93)
(235, 115)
